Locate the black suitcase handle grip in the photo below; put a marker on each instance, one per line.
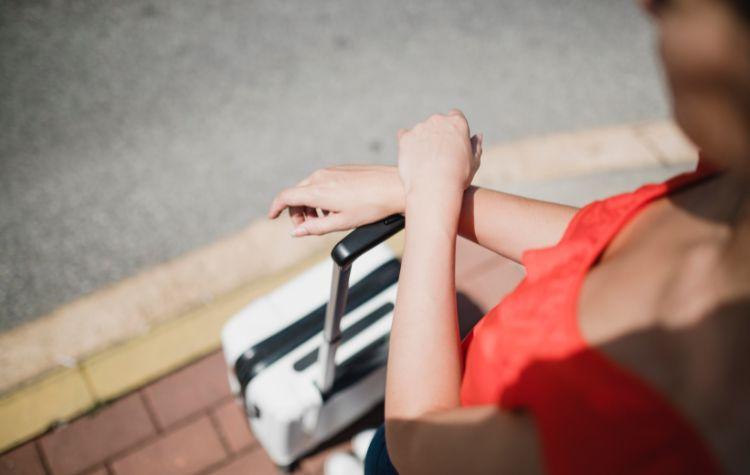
(364, 238)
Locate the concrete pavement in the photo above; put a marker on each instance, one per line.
(133, 132)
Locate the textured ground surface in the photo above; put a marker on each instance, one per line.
(135, 131)
(187, 422)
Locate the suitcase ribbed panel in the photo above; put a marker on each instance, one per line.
(353, 330)
(368, 359)
(281, 343)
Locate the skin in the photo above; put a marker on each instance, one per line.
(689, 335)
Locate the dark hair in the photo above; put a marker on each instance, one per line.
(742, 7)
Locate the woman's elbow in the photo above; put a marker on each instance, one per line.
(402, 442)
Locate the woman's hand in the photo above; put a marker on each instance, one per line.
(438, 154)
(348, 196)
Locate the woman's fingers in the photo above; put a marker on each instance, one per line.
(322, 225)
(295, 196)
(297, 215)
(476, 150)
(360, 192)
(310, 213)
(476, 144)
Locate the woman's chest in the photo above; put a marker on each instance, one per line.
(655, 279)
(656, 268)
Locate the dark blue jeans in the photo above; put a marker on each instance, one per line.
(377, 461)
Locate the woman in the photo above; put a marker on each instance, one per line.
(625, 348)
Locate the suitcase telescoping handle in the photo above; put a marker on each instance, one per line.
(344, 254)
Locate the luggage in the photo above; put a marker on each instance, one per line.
(307, 359)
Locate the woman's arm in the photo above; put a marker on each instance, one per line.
(510, 224)
(424, 370)
(437, 160)
(354, 195)
(426, 429)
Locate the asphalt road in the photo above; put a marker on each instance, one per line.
(134, 131)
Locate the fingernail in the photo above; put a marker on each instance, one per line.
(299, 231)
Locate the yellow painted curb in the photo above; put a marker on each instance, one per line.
(58, 396)
(138, 304)
(128, 366)
(65, 393)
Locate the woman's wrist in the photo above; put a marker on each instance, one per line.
(443, 206)
(397, 196)
(433, 192)
(424, 192)
(432, 185)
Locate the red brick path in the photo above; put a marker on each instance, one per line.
(188, 423)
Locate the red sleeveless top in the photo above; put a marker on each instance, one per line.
(528, 354)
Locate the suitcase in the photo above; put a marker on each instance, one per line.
(307, 359)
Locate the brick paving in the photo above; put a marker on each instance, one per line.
(191, 448)
(185, 392)
(230, 421)
(187, 423)
(23, 460)
(91, 440)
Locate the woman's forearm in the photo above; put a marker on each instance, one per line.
(509, 224)
(356, 195)
(424, 367)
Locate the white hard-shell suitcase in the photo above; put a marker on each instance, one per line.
(309, 358)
